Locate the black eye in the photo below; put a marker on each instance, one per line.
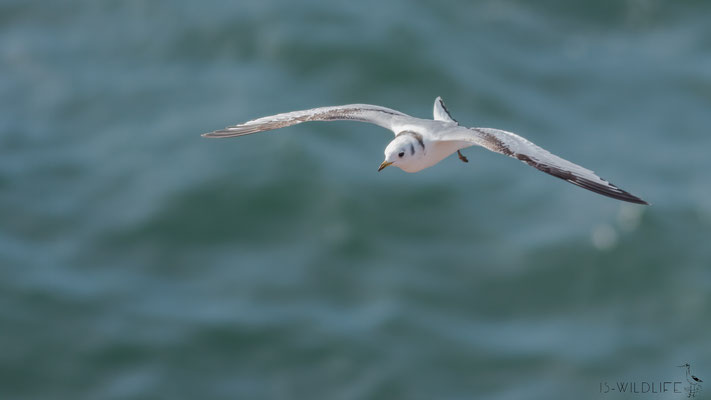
(400, 154)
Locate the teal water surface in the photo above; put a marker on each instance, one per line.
(139, 260)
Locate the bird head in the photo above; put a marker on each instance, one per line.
(404, 152)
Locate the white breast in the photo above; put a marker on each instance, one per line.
(439, 150)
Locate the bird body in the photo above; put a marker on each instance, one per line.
(427, 152)
(421, 143)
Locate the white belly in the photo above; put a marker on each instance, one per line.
(436, 152)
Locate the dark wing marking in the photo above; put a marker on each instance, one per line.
(515, 146)
(356, 112)
(441, 113)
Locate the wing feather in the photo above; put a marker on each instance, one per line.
(513, 145)
(441, 113)
(377, 115)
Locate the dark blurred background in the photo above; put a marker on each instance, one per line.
(139, 260)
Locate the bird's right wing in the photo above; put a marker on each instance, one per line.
(513, 145)
(377, 115)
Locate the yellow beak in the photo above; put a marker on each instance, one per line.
(383, 165)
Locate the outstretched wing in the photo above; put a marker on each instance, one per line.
(515, 146)
(356, 112)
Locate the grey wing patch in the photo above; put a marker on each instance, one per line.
(515, 146)
(357, 112)
(441, 113)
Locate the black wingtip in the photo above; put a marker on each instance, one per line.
(226, 133)
(616, 193)
(636, 200)
(607, 189)
(620, 194)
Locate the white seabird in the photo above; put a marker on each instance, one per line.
(422, 143)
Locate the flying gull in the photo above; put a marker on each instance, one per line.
(422, 143)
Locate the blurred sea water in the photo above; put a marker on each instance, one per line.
(139, 260)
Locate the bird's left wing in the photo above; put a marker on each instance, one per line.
(377, 115)
(515, 146)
